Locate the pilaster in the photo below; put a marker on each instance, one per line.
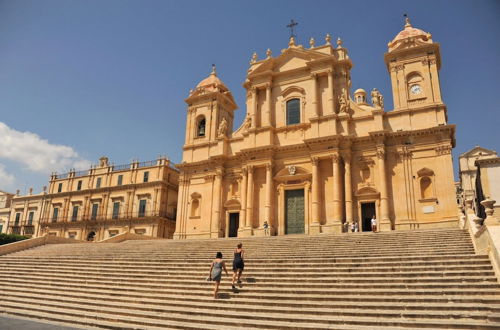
(315, 225)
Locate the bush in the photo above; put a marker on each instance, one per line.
(9, 238)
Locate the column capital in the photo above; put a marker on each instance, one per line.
(335, 158)
(314, 160)
(269, 166)
(219, 172)
(346, 156)
(381, 151)
(250, 169)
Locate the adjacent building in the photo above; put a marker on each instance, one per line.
(5, 201)
(311, 156)
(477, 171)
(108, 200)
(25, 213)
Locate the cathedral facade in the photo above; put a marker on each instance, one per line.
(311, 157)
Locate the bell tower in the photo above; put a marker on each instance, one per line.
(210, 113)
(414, 61)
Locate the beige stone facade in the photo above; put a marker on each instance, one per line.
(5, 201)
(310, 156)
(468, 173)
(25, 213)
(108, 200)
(489, 182)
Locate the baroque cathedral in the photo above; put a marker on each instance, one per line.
(311, 157)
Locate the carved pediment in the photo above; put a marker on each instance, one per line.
(291, 58)
(366, 191)
(292, 173)
(425, 172)
(232, 204)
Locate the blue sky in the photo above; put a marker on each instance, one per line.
(82, 79)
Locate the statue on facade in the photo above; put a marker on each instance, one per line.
(221, 131)
(375, 97)
(343, 104)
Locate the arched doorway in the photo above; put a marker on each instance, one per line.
(91, 236)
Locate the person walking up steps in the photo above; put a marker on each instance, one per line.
(216, 272)
(238, 264)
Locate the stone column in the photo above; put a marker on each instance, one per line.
(315, 95)
(180, 211)
(267, 117)
(348, 188)
(269, 194)
(331, 108)
(214, 230)
(243, 191)
(254, 107)
(248, 220)
(385, 221)
(314, 229)
(337, 203)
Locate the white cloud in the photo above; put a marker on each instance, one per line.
(6, 179)
(37, 154)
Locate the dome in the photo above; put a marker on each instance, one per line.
(212, 82)
(360, 91)
(409, 32)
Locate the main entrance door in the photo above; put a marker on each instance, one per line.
(294, 212)
(367, 212)
(234, 223)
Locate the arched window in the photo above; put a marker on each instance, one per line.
(293, 112)
(426, 187)
(195, 206)
(201, 127)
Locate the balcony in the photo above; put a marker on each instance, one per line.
(117, 217)
(28, 230)
(16, 230)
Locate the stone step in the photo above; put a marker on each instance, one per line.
(266, 320)
(284, 298)
(246, 305)
(420, 279)
(170, 289)
(250, 282)
(477, 260)
(369, 250)
(185, 284)
(258, 312)
(254, 267)
(344, 259)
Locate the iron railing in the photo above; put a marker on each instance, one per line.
(28, 230)
(147, 164)
(16, 230)
(112, 217)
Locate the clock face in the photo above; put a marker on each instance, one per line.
(416, 89)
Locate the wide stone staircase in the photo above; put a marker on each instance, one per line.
(392, 280)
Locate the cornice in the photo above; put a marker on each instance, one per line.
(487, 161)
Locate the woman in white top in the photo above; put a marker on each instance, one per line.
(374, 224)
